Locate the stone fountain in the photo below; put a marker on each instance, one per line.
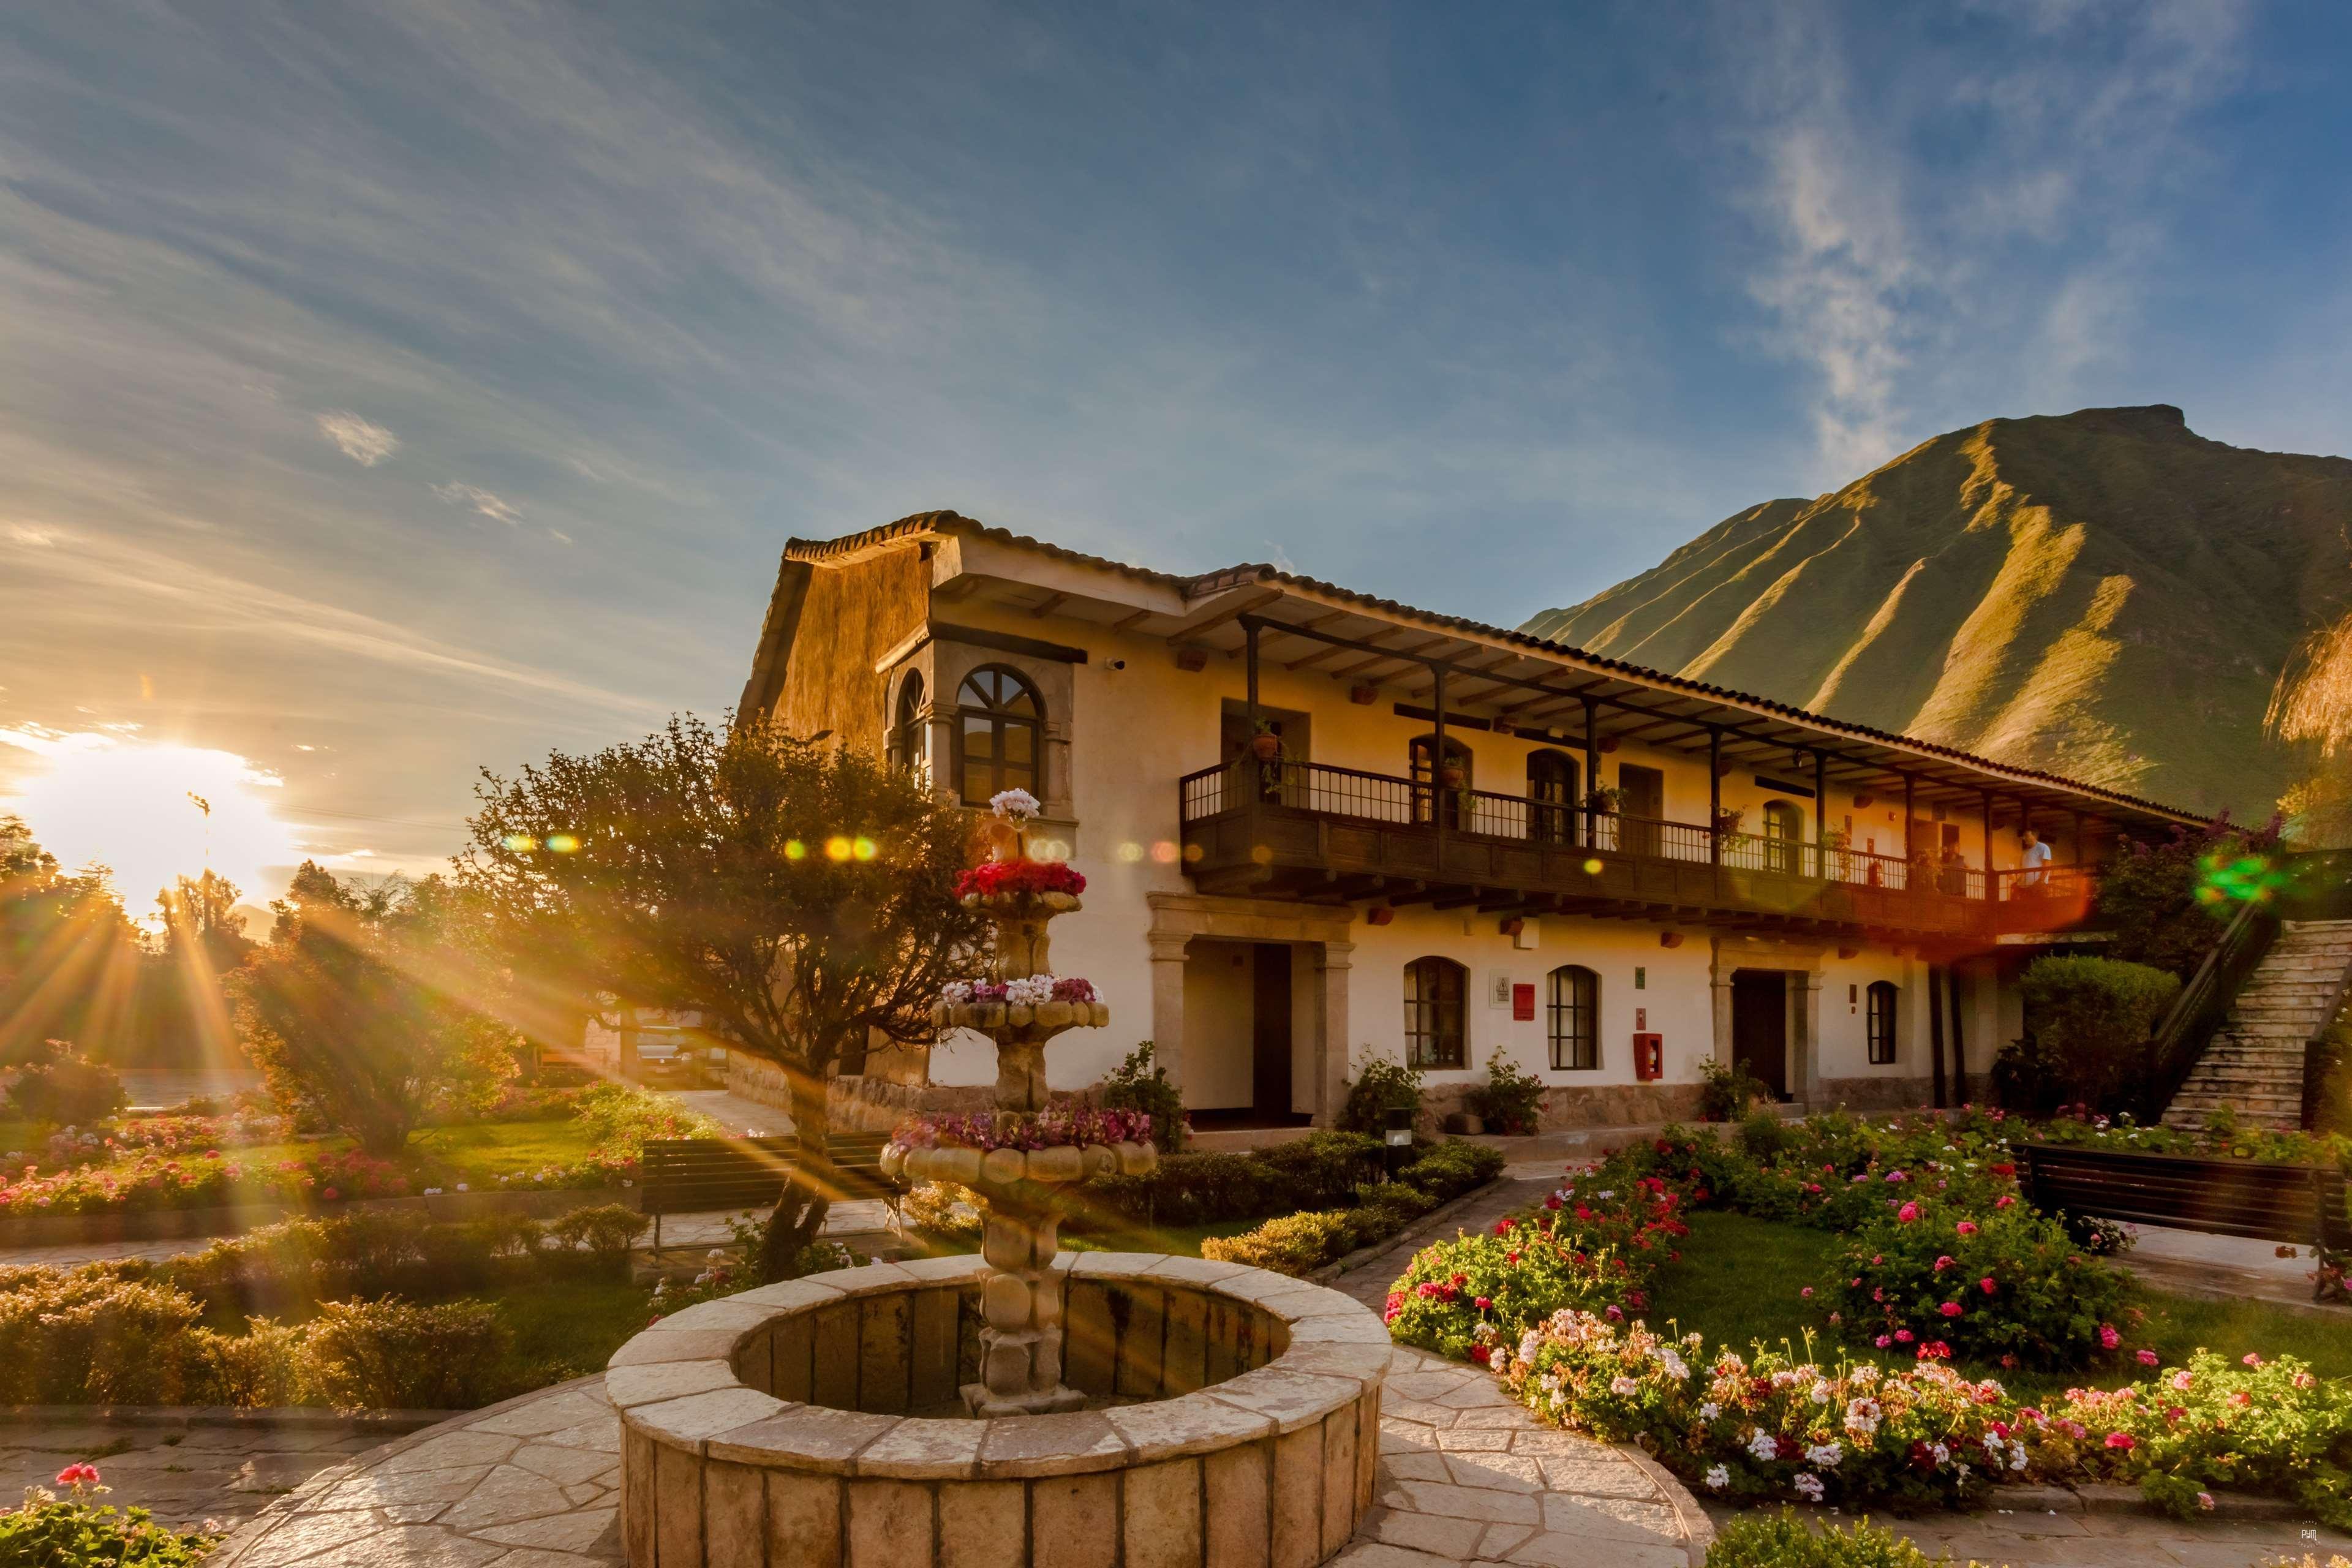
(1022, 1006)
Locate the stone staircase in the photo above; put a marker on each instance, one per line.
(2254, 1064)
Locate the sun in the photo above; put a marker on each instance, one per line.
(151, 813)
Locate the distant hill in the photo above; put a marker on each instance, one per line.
(2104, 594)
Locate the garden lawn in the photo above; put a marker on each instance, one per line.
(1184, 1239)
(1740, 1277)
(564, 1329)
(479, 1152)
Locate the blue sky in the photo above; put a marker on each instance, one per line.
(388, 391)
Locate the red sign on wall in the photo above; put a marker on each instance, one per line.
(1523, 1004)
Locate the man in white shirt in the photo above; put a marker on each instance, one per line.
(2037, 857)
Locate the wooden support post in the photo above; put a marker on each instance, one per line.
(1714, 794)
(1592, 773)
(1249, 641)
(1910, 862)
(1960, 1042)
(1437, 790)
(1989, 888)
(1821, 815)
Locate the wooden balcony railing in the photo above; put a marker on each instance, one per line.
(1548, 842)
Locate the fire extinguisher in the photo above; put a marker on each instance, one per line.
(1649, 1057)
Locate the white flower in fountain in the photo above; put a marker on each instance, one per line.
(1029, 993)
(956, 993)
(1015, 805)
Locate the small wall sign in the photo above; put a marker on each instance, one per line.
(1523, 1004)
(1498, 988)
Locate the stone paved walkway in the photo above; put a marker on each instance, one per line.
(183, 1475)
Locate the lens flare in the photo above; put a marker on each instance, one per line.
(1129, 853)
(2243, 878)
(838, 848)
(863, 849)
(564, 843)
(1165, 852)
(520, 843)
(1592, 867)
(795, 850)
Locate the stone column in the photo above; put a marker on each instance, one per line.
(1168, 1003)
(1808, 1036)
(1719, 983)
(1332, 962)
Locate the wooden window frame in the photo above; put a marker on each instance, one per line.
(1881, 1013)
(1424, 1014)
(1561, 1014)
(906, 742)
(1001, 720)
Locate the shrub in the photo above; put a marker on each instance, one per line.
(1784, 1539)
(1764, 1137)
(2089, 1023)
(1139, 1083)
(1295, 1243)
(1510, 1099)
(619, 1117)
(943, 1210)
(2003, 1284)
(91, 1336)
(1381, 1086)
(603, 1234)
(59, 1085)
(72, 1532)
(1726, 1092)
(1322, 1170)
(1397, 1204)
(391, 1354)
(1446, 1170)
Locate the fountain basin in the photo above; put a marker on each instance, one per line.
(1233, 1417)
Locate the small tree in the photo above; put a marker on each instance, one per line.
(2163, 902)
(348, 1006)
(799, 896)
(2089, 1023)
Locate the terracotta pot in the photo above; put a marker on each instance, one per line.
(1267, 747)
(1451, 777)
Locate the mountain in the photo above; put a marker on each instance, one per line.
(2104, 593)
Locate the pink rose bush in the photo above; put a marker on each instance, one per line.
(201, 1181)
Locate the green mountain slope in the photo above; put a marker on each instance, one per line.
(2103, 594)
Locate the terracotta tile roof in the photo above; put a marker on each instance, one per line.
(1209, 583)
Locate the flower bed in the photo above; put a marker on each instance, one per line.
(1549, 1302)
(76, 1532)
(1051, 882)
(1059, 1128)
(210, 1180)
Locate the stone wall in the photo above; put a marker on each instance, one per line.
(1567, 1107)
(796, 1425)
(1879, 1093)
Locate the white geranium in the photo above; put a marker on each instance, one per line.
(1763, 1444)
(956, 993)
(1709, 1411)
(1810, 1488)
(1718, 1476)
(1015, 805)
(1673, 1366)
(1030, 992)
(1825, 1455)
(1624, 1387)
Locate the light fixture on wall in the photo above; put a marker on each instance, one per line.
(1379, 915)
(1861, 802)
(1193, 659)
(1845, 951)
(1608, 745)
(1364, 694)
(1670, 939)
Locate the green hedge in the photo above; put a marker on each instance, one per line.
(1319, 1170)
(1300, 1243)
(1784, 1539)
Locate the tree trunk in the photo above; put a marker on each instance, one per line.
(801, 1209)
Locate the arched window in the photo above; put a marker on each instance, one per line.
(1575, 1018)
(1431, 795)
(1783, 831)
(1881, 1019)
(908, 747)
(998, 739)
(1433, 1013)
(1551, 798)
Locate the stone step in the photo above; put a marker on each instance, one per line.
(2239, 1094)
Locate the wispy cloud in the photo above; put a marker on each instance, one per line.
(363, 441)
(481, 499)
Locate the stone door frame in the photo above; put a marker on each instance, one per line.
(1177, 917)
(1801, 961)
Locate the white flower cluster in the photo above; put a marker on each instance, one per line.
(1015, 805)
(1624, 1387)
(1673, 1366)
(1825, 1455)
(1763, 1444)
(1810, 1488)
(1863, 1415)
(1718, 1476)
(956, 992)
(1031, 992)
(1709, 1411)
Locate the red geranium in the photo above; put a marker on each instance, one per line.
(1019, 879)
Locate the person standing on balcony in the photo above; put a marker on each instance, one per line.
(2037, 856)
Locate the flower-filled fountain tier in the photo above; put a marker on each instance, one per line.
(1016, 1164)
(1023, 1002)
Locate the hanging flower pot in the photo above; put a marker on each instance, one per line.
(1450, 776)
(1267, 746)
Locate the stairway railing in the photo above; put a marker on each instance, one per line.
(2205, 1002)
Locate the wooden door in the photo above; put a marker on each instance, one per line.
(1551, 798)
(1759, 1027)
(1784, 828)
(1645, 803)
(1270, 1032)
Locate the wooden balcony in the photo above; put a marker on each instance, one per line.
(1310, 831)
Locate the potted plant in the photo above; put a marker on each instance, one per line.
(1453, 776)
(1267, 742)
(1606, 798)
(1728, 820)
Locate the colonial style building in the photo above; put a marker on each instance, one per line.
(1318, 826)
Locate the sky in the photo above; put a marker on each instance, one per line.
(393, 391)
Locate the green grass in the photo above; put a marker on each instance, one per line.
(1181, 1239)
(481, 1151)
(25, 1136)
(1740, 1277)
(567, 1328)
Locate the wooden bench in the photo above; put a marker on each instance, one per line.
(696, 1175)
(2268, 1202)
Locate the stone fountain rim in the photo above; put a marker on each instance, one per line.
(675, 1384)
